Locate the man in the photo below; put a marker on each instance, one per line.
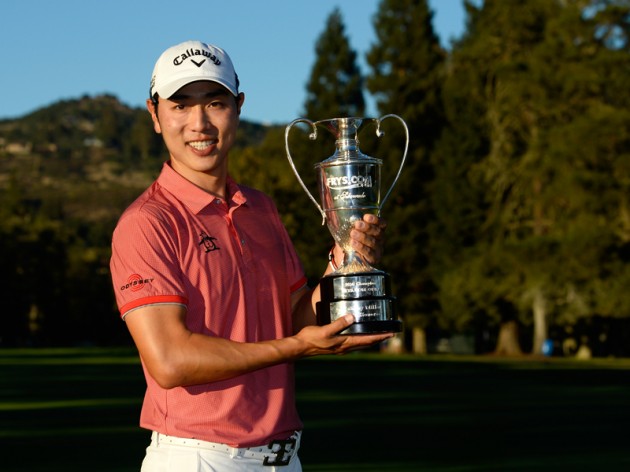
(211, 289)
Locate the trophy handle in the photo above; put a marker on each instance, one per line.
(379, 134)
(311, 136)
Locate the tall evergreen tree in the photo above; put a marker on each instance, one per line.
(407, 65)
(335, 87)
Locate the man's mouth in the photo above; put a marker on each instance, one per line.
(201, 145)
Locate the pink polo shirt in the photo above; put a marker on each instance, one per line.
(233, 267)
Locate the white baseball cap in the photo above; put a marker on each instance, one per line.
(189, 62)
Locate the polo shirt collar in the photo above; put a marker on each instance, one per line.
(192, 196)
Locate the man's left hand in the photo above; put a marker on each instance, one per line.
(367, 238)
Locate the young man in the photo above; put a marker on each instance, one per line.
(211, 289)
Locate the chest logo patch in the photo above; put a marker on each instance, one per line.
(208, 242)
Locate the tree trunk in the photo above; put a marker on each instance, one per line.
(507, 342)
(540, 321)
(395, 345)
(418, 340)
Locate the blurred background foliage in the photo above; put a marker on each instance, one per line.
(509, 228)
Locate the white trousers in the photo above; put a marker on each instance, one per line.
(172, 454)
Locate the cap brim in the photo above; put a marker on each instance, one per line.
(169, 89)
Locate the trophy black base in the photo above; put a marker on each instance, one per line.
(366, 295)
(374, 327)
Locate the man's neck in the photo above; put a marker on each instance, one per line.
(214, 184)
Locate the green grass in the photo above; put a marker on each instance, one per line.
(77, 410)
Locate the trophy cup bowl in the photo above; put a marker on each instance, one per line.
(349, 188)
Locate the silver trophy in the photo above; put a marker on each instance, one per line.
(349, 187)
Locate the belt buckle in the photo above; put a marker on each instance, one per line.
(280, 458)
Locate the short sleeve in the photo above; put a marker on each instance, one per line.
(144, 265)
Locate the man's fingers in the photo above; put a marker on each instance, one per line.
(340, 324)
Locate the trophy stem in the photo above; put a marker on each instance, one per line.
(353, 263)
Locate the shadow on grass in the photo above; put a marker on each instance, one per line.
(77, 410)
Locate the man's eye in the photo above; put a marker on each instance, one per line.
(216, 104)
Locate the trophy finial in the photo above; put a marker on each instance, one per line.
(348, 137)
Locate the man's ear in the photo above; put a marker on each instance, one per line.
(239, 102)
(152, 107)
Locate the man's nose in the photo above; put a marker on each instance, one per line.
(200, 119)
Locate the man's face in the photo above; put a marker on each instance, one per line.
(198, 124)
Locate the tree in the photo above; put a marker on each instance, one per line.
(407, 66)
(143, 144)
(34, 260)
(335, 87)
(538, 73)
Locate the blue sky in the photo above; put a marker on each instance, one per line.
(62, 49)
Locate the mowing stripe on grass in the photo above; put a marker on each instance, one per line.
(79, 403)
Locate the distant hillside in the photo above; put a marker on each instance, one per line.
(86, 158)
(100, 122)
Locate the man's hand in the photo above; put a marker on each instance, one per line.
(318, 340)
(367, 239)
